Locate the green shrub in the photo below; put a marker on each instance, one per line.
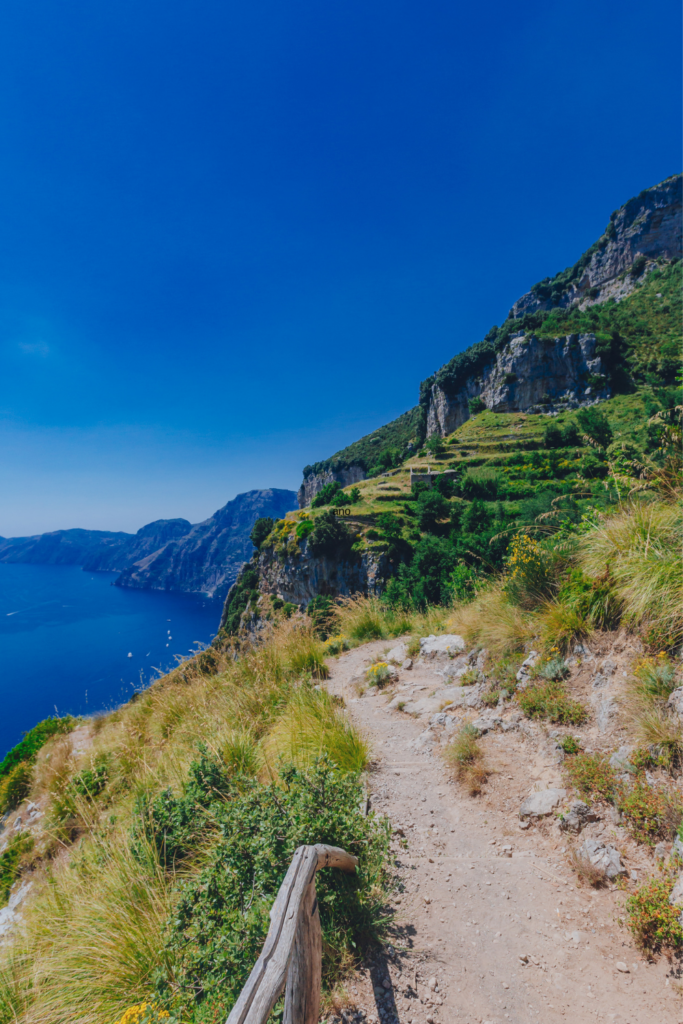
(593, 776)
(651, 814)
(652, 920)
(552, 669)
(378, 674)
(34, 739)
(594, 423)
(570, 745)
(490, 698)
(330, 537)
(10, 860)
(321, 610)
(326, 494)
(260, 531)
(15, 786)
(532, 574)
(550, 701)
(476, 405)
(221, 920)
(304, 529)
(480, 483)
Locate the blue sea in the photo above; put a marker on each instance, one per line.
(72, 642)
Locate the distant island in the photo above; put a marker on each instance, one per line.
(168, 554)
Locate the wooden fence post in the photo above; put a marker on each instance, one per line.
(304, 978)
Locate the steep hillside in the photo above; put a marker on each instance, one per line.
(606, 325)
(209, 556)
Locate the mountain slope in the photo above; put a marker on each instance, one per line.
(635, 339)
(208, 558)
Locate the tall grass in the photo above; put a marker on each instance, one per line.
(639, 551)
(310, 726)
(491, 621)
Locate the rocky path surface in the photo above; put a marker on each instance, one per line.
(489, 923)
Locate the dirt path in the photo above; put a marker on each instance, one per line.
(479, 893)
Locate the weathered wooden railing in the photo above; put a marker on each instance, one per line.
(292, 952)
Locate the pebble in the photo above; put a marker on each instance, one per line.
(621, 966)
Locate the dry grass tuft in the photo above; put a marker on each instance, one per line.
(492, 622)
(464, 753)
(640, 549)
(312, 725)
(589, 873)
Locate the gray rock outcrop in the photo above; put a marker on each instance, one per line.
(675, 703)
(602, 856)
(578, 816)
(528, 373)
(314, 482)
(301, 576)
(539, 805)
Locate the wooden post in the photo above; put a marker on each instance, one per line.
(304, 978)
(292, 953)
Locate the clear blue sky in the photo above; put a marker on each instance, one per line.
(235, 236)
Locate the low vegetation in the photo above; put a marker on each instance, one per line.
(465, 754)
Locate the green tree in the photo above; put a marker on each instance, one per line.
(476, 405)
(260, 531)
(595, 424)
(330, 536)
(432, 509)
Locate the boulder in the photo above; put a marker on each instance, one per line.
(676, 897)
(620, 760)
(397, 653)
(463, 696)
(603, 856)
(539, 805)
(407, 663)
(578, 817)
(675, 703)
(447, 645)
(528, 663)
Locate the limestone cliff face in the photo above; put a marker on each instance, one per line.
(316, 481)
(208, 558)
(299, 578)
(528, 374)
(648, 226)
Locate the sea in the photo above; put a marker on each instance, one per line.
(73, 643)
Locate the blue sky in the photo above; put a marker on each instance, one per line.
(237, 236)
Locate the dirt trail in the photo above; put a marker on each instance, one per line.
(469, 908)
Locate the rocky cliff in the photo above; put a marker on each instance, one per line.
(314, 482)
(208, 558)
(299, 578)
(645, 229)
(530, 374)
(517, 367)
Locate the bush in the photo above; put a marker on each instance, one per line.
(326, 494)
(304, 529)
(330, 537)
(15, 786)
(378, 674)
(652, 920)
(260, 531)
(10, 860)
(596, 425)
(218, 927)
(435, 445)
(321, 611)
(651, 814)
(549, 700)
(570, 745)
(638, 551)
(552, 436)
(480, 483)
(476, 405)
(34, 739)
(532, 576)
(433, 512)
(593, 776)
